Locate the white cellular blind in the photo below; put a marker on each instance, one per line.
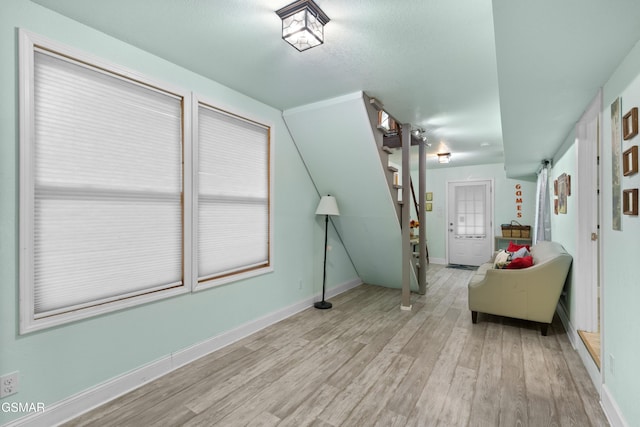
(233, 194)
(107, 168)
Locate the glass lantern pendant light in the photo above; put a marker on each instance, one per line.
(303, 24)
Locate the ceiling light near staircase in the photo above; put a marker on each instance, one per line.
(444, 157)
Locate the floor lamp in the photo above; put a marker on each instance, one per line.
(326, 207)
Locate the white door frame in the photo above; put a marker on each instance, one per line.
(588, 174)
(491, 219)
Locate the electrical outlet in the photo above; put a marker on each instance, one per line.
(9, 384)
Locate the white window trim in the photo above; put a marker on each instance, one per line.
(28, 322)
(251, 272)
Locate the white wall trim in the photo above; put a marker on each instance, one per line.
(581, 349)
(611, 409)
(564, 318)
(440, 261)
(93, 397)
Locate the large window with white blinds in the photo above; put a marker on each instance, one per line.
(119, 205)
(232, 229)
(101, 188)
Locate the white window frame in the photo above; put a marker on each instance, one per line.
(197, 100)
(29, 43)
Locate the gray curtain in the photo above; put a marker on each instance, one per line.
(542, 229)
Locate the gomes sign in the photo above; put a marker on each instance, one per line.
(518, 201)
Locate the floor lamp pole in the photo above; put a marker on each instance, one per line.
(324, 304)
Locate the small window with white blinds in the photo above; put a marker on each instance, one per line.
(232, 230)
(101, 188)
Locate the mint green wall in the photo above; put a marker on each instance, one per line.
(504, 192)
(621, 254)
(59, 362)
(368, 223)
(564, 226)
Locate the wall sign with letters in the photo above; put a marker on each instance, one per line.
(518, 200)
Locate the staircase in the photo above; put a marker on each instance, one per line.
(345, 157)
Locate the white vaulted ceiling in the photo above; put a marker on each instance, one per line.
(489, 81)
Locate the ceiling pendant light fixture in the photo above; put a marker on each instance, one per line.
(444, 157)
(303, 24)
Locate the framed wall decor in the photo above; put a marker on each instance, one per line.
(630, 124)
(630, 202)
(555, 187)
(630, 161)
(428, 207)
(555, 206)
(616, 155)
(429, 196)
(564, 190)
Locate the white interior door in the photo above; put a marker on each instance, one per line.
(469, 218)
(587, 260)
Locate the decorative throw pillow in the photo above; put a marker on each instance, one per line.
(514, 248)
(523, 262)
(502, 259)
(522, 252)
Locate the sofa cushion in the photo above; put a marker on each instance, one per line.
(546, 251)
(514, 248)
(502, 259)
(522, 252)
(522, 262)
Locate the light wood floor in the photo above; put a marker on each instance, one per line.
(367, 363)
(591, 340)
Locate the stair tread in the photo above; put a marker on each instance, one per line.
(387, 149)
(397, 186)
(392, 168)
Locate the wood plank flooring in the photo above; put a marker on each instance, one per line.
(367, 363)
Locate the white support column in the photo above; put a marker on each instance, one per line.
(422, 233)
(406, 210)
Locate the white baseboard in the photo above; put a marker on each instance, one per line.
(572, 333)
(86, 400)
(611, 409)
(441, 261)
(581, 349)
(609, 405)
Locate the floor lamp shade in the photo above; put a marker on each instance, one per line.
(327, 206)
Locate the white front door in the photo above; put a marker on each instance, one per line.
(469, 213)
